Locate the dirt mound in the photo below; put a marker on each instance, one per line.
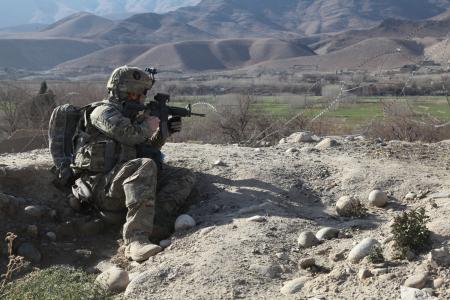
(291, 187)
(221, 54)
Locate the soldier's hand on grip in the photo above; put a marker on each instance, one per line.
(174, 124)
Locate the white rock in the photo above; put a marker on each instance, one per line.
(34, 211)
(364, 274)
(347, 206)
(378, 198)
(220, 162)
(282, 141)
(438, 282)
(408, 293)
(184, 222)
(326, 143)
(362, 250)
(327, 233)
(300, 137)
(439, 257)
(206, 230)
(291, 150)
(293, 286)
(307, 239)
(114, 279)
(257, 219)
(417, 281)
(165, 243)
(411, 196)
(104, 265)
(51, 236)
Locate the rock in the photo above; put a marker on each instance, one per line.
(33, 231)
(364, 274)
(84, 253)
(417, 281)
(348, 206)
(362, 249)
(165, 243)
(326, 143)
(114, 279)
(307, 239)
(51, 236)
(104, 265)
(380, 271)
(291, 150)
(338, 256)
(220, 163)
(410, 196)
(34, 211)
(293, 286)
(327, 233)
(257, 219)
(300, 137)
(30, 252)
(438, 282)
(271, 271)
(282, 255)
(377, 198)
(306, 263)
(439, 257)
(408, 293)
(184, 222)
(282, 141)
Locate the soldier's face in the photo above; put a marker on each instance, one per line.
(135, 97)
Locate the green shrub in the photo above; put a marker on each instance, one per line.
(55, 283)
(410, 231)
(376, 255)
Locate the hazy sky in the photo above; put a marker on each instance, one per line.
(17, 12)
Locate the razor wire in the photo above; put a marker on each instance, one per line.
(342, 91)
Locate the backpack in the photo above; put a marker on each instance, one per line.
(62, 128)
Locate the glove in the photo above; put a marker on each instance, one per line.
(174, 124)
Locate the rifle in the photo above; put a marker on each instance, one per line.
(159, 108)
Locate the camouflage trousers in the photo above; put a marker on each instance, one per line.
(151, 197)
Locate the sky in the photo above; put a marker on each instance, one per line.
(18, 12)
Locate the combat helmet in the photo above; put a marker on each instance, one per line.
(126, 80)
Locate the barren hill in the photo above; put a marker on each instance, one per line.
(79, 25)
(104, 59)
(250, 211)
(371, 54)
(220, 54)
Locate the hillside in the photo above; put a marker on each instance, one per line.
(372, 54)
(229, 254)
(42, 54)
(220, 54)
(79, 25)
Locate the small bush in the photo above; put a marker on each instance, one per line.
(58, 282)
(410, 231)
(376, 255)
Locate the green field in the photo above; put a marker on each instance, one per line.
(348, 112)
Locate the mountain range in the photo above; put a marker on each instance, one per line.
(233, 34)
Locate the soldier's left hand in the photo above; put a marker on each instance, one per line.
(174, 124)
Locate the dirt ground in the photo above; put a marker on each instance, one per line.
(227, 256)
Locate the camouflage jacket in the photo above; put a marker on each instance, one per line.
(109, 138)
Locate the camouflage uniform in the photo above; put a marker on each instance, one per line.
(119, 180)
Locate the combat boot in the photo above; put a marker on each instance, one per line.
(141, 250)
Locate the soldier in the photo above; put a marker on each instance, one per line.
(115, 178)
